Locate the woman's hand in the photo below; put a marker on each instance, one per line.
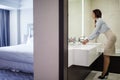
(85, 41)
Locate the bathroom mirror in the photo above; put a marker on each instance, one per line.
(86, 61)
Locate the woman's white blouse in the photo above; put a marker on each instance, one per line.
(101, 27)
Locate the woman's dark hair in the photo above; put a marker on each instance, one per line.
(98, 13)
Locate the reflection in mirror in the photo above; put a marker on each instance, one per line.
(16, 39)
(87, 62)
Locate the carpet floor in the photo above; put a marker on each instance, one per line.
(10, 75)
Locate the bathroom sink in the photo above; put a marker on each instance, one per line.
(83, 55)
(84, 47)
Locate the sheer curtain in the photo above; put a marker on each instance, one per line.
(4, 28)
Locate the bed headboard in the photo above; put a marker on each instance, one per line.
(30, 30)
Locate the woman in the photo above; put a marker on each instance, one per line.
(109, 50)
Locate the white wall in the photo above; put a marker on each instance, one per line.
(46, 35)
(75, 20)
(87, 17)
(26, 16)
(13, 27)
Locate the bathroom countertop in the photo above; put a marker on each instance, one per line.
(88, 46)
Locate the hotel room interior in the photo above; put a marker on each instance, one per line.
(16, 40)
(55, 58)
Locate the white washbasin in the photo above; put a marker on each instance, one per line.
(83, 55)
(84, 47)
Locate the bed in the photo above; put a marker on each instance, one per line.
(18, 57)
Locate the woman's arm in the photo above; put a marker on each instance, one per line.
(95, 33)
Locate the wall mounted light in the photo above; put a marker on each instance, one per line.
(82, 17)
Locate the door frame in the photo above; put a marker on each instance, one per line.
(63, 39)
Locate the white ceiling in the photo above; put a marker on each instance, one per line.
(11, 3)
(6, 7)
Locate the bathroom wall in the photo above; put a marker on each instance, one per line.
(111, 15)
(87, 17)
(75, 18)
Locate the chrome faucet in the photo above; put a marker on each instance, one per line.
(72, 39)
(81, 38)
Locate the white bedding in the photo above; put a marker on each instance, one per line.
(18, 57)
(18, 53)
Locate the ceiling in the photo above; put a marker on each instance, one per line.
(10, 3)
